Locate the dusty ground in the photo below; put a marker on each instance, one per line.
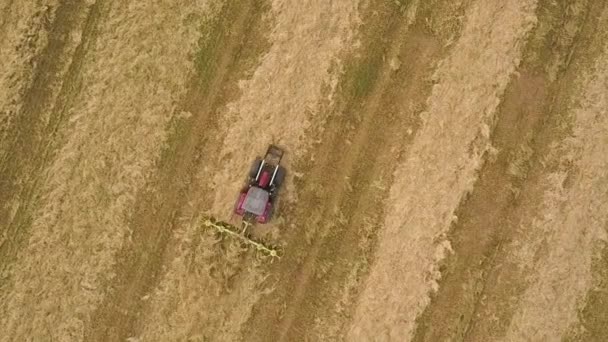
(447, 169)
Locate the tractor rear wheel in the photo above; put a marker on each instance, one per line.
(280, 177)
(255, 166)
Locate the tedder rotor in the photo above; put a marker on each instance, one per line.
(256, 200)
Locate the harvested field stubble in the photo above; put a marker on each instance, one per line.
(446, 169)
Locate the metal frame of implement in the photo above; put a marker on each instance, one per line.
(226, 228)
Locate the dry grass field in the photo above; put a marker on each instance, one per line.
(447, 169)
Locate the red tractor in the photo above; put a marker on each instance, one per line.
(257, 198)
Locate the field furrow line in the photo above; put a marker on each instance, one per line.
(7, 11)
(23, 37)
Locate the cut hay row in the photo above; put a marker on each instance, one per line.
(440, 168)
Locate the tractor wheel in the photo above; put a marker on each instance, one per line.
(270, 212)
(280, 177)
(255, 166)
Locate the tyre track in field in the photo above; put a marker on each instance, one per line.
(55, 84)
(526, 125)
(369, 121)
(158, 207)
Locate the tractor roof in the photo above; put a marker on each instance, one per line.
(256, 200)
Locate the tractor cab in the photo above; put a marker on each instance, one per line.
(256, 199)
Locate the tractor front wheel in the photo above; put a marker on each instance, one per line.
(279, 177)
